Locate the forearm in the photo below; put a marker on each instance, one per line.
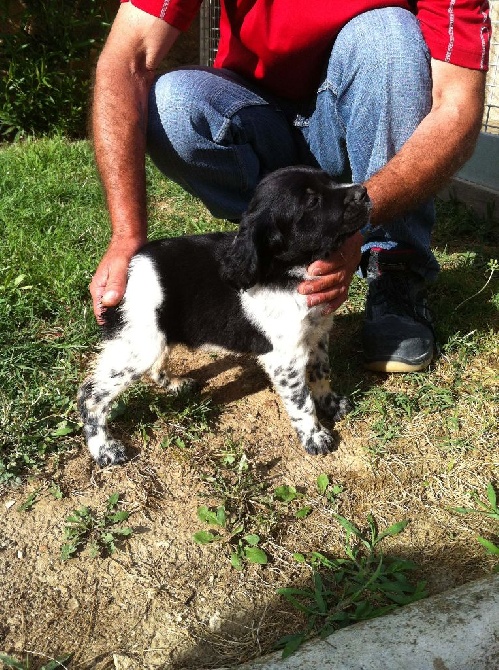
(135, 47)
(441, 144)
(125, 72)
(119, 130)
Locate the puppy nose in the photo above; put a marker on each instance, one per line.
(357, 195)
(360, 194)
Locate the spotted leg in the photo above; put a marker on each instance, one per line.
(289, 379)
(122, 361)
(330, 404)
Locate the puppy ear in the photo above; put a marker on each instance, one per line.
(248, 260)
(239, 265)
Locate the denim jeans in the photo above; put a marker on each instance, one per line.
(217, 135)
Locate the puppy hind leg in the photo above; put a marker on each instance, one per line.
(330, 404)
(118, 366)
(290, 382)
(160, 375)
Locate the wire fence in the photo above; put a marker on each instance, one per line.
(491, 114)
(209, 36)
(209, 31)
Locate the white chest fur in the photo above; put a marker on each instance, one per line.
(284, 317)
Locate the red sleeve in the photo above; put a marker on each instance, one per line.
(178, 13)
(457, 31)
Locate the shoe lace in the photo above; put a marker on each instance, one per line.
(395, 293)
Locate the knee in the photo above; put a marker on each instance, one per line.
(386, 40)
(176, 123)
(170, 100)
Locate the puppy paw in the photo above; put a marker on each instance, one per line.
(184, 386)
(320, 442)
(334, 407)
(111, 453)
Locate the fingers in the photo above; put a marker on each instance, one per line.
(108, 284)
(334, 296)
(332, 277)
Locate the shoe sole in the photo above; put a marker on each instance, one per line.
(397, 366)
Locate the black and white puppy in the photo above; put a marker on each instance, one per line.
(236, 291)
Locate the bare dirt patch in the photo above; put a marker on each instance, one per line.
(163, 601)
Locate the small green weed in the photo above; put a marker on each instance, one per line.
(98, 531)
(36, 495)
(365, 585)
(187, 418)
(248, 512)
(490, 510)
(52, 664)
(330, 491)
(245, 510)
(244, 547)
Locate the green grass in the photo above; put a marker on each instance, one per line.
(55, 230)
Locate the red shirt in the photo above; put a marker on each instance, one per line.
(284, 44)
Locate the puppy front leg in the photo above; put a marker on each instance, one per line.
(289, 380)
(332, 405)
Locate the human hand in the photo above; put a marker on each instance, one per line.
(333, 276)
(109, 281)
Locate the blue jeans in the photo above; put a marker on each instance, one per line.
(217, 135)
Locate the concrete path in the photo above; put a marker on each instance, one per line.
(455, 630)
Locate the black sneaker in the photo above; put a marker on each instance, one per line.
(398, 333)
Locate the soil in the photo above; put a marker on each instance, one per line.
(163, 601)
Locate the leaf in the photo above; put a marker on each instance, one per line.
(395, 529)
(63, 428)
(125, 532)
(252, 540)
(318, 591)
(30, 501)
(293, 643)
(235, 561)
(322, 483)
(348, 526)
(10, 662)
(221, 516)
(490, 546)
(93, 550)
(255, 555)
(67, 550)
(78, 516)
(204, 537)
(19, 279)
(207, 515)
(463, 510)
(237, 530)
(286, 493)
(113, 500)
(303, 512)
(491, 495)
(122, 515)
(56, 492)
(299, 558)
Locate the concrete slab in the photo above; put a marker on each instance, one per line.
(455, 630)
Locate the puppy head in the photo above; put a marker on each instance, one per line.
(297, 215)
